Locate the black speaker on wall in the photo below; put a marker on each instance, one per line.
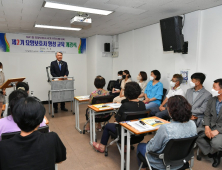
(107, 47)
(172, 37)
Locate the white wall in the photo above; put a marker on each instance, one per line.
(211, 46)
(33, 67)
(98, 63)
(141, 49)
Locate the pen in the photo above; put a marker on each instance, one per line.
(142, 122)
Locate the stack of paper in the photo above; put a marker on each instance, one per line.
(140, 127)
(102, 106)
(114, 105)
(83, 97)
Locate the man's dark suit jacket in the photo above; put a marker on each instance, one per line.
(55, 71)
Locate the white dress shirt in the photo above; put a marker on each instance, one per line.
(177, 91)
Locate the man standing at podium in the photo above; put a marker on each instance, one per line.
(59, 68)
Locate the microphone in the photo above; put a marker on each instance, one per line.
(61, 63)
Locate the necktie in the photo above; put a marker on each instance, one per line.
(60, 67)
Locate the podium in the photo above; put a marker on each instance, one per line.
(12, 83)
(62, 90)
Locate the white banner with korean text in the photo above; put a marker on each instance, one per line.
(31, 43)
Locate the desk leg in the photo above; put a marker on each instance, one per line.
(49, 100)
(128, 151)
(91, 131)
(76, 115)
(122, 147)
(80, 131)
(94, 126)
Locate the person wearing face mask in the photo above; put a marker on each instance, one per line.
(198, 97)
(117, 86)
(142, 81)
(2, 91)
(181, 127)
(175, 89)
(211, 142)
(154, 90)
(126, 78)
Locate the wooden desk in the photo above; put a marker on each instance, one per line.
(79, 100)
(3, 107)
(129, 131)
(93, 111)
(136, 132)
(46, 120)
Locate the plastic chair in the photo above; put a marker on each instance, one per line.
(4, 136)
(164, 94)
(117, 136)
(177, 152)
(111, 84)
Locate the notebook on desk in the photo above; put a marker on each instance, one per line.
(114, 105)
(140, 126)
(153, 122)
(82, 97)
(102, 106)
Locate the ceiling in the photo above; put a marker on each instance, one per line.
(20, 16)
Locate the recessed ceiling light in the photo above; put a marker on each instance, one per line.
(56, 27)
(56, 5)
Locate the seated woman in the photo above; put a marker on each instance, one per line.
(142, 77)
(126, 79)
(132, 91)
(181, 127)
(7, 124)
(154, 90)
(22, 86)
(99, 83)
(31, 149)
(117, 86)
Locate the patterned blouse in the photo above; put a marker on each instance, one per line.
(98, 92)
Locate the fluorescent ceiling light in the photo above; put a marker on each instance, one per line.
(56, 5)
(56, 27)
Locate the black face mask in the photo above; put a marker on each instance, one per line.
(124, 76)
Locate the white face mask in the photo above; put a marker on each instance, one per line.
(119, 77)
(192, 84)
(0, 69)
(151, 78)
(138, 77)
(214, 93)
(172, 84)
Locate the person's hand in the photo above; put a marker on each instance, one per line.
(65, 76)
(146, 100)
(113, 90)
(208, 132)
(214, 133)
(162, 108)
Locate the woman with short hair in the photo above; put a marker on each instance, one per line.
(154, 90)
(99, 83)
(181, 127)
(132, 91)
